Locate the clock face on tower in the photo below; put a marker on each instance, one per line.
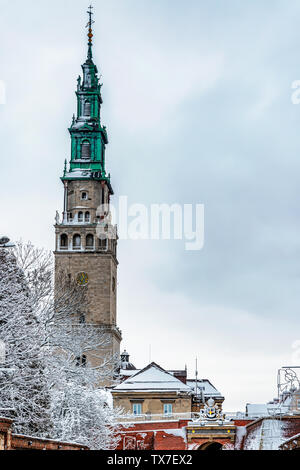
(82, 279)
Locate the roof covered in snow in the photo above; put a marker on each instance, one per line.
(265, 434)
(205, 386)
(267, 409)
(152, 378)
(78, 173)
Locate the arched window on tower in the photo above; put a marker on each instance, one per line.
(89, 241)
(76, 242)
(87, 217)
(63, 242)
(80, 217)
(103, 244)
(87, 108)
(86, 150)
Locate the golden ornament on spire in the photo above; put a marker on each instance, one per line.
(90, 24)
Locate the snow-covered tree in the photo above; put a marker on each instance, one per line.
(23, 388)
(46, 379)
(82, 413)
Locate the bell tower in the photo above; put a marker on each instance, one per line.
(86, 241)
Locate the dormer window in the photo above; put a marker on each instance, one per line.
(85, 150)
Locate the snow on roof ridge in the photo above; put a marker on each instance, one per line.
(154, 365)
(138, 380)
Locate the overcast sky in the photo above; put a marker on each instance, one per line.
(197, 104)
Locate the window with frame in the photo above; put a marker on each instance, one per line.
(168, 408)
(137, 408)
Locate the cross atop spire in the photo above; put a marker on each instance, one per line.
(90, 31)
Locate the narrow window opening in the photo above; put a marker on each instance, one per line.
(85, 150)
(137, 409)
(90, 241)
(168, 409)
(103, 244)
(64, 242)
(76, 242)
(87, 108)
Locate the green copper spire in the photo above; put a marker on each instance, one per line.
(88, 136)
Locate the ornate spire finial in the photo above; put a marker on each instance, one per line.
(90, 29)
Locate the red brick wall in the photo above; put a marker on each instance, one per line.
(292, 426)
(150, 426)
(242, 422)
(165, 441)
(151, 436)
(136, 441)
(159, 436)
(33, 443)
(11, 441)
